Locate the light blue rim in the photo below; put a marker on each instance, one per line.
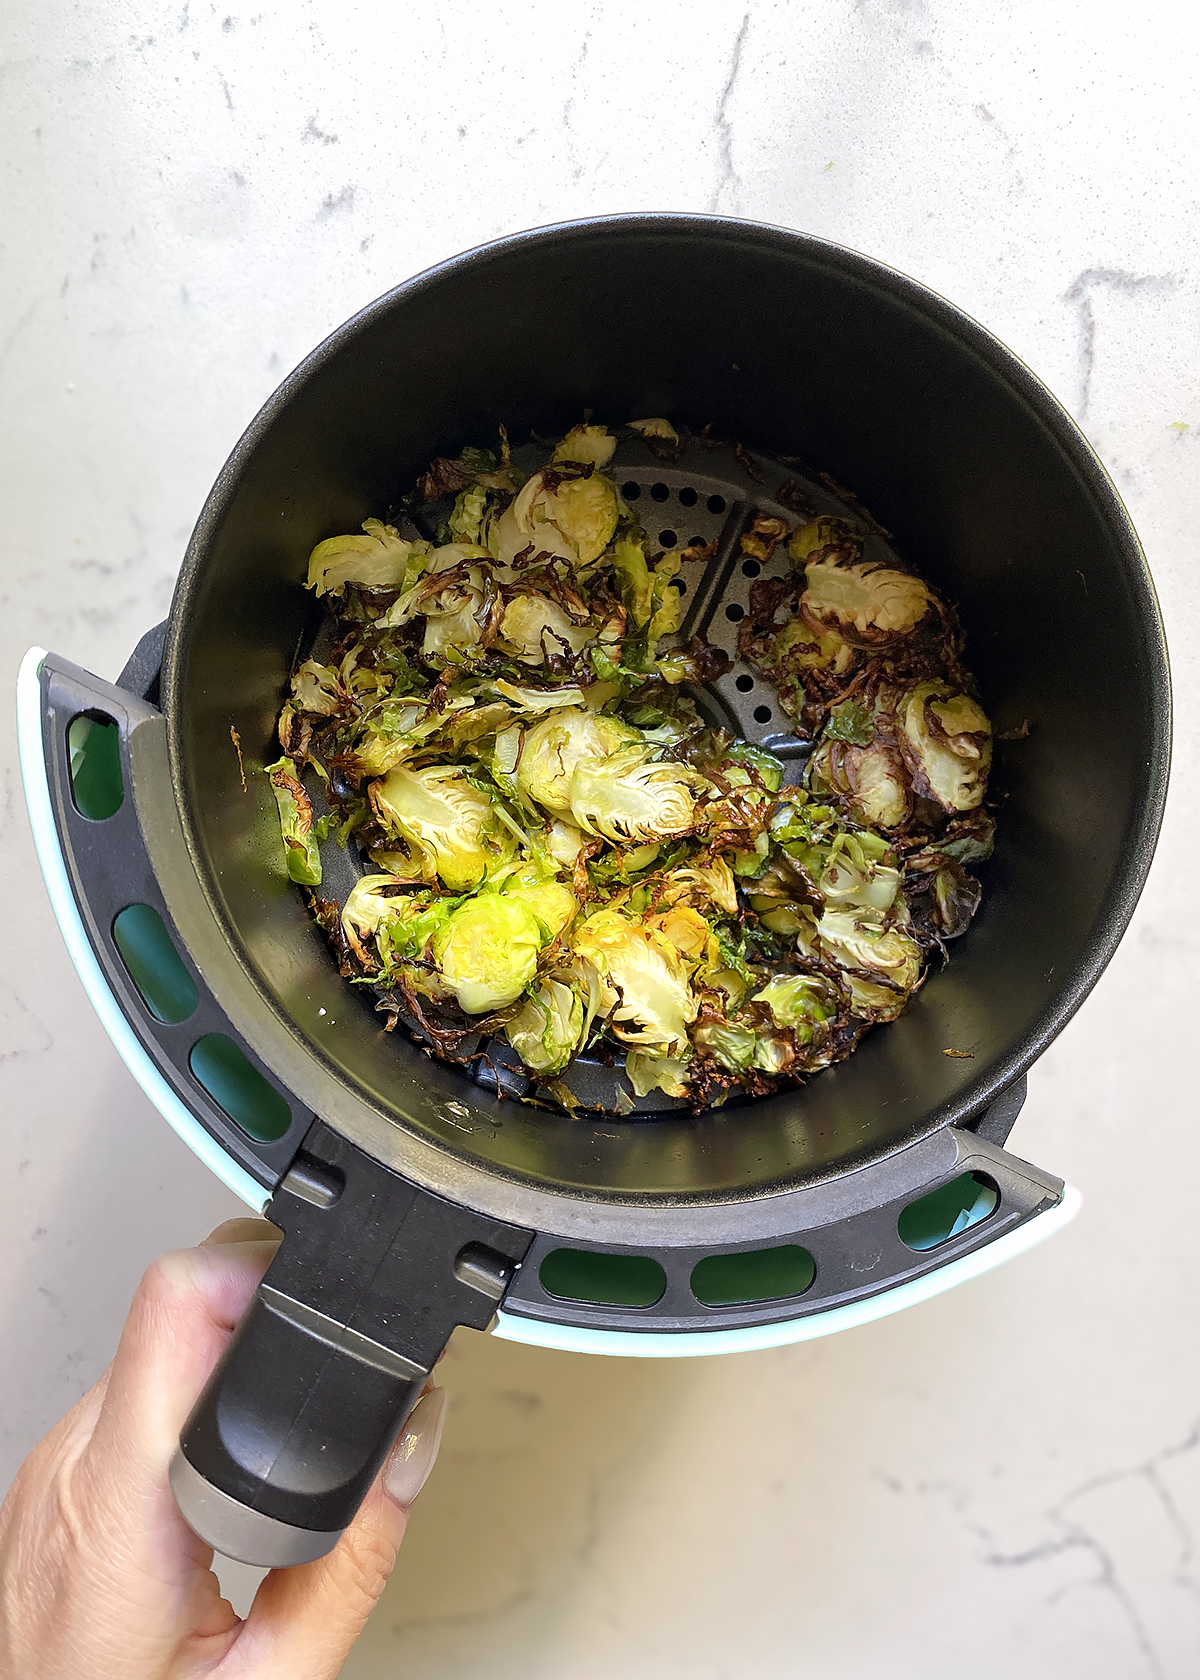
(691, 1344)
(54, 872)
(508, 1326)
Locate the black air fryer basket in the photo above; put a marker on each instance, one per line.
(415, 1197)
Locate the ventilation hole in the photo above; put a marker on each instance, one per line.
(697, 542)
(762, 714)
(668, 539)
(716, 504)
(607, 1280)
(750, 568)
(680, 584)
(154, 965)
(767, 1274)
(688, 496)
(94, 758)
(631, 490)
(659, 492)
(745, 683)
(947, 1212)
(734, 611)
(238, 1087)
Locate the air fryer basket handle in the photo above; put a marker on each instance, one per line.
(370, 1280)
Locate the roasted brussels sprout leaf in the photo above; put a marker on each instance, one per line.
(559, 852)
(296, 824)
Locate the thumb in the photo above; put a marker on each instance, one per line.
(304, 1620)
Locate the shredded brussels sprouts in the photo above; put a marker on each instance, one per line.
(562, 857)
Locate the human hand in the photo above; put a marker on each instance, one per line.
(99, 1574)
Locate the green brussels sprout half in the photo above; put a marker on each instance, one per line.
(728, 1043)
(552, 749)
(800, 1002)
(872, 601)
(587, 444)
(946, 740)
(583, 512)
(632, 799)
(881, 966)
(535, 629)
(380, 559)
(643, 981)
(453, 823)
(552, 902)
(647, 1072)
(466, 522)
(547, 1030)
(487, 951)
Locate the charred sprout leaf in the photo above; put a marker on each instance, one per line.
(487, 951)
(956, 899)
(761, 540)
(821, 534)
(296, 824)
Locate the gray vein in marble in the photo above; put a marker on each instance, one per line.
(1075, 1535)
(312, 132)
(334, 203)
(10, 343)
(569, 106)
(1079, 293)
(723, 128)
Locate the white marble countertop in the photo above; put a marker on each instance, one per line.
(1001, 1481)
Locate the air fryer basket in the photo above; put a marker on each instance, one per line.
(414, 1195)
(792, 349)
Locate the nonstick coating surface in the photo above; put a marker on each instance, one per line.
(795, 348)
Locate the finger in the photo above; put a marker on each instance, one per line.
(180, 1321)
(305, 1620)
(127, 1578)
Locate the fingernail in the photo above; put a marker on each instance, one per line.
(242, 1231)
(414, 1453)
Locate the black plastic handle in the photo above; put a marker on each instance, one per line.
(372, 1277)
(109, 868)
